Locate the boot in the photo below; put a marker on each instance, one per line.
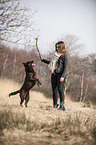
(61, 106)
(55, 106)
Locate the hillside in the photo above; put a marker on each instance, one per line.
(42, 124)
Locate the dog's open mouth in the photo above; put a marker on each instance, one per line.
(33, 64)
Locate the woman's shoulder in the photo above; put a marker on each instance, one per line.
(64, 56)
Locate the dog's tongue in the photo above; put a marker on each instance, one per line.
(33, 64)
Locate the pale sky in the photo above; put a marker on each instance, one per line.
(60, 17)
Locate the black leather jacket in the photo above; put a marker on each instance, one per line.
(62, 65)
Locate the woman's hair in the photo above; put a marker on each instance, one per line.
(63, 48)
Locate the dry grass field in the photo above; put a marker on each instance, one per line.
(40, 124)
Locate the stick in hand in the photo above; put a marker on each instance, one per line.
(38, 48)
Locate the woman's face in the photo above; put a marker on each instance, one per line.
(59, 48)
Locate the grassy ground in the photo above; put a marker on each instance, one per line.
(40, 124)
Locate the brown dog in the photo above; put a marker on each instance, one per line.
(30, 81)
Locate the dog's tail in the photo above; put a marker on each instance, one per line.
(14, 93)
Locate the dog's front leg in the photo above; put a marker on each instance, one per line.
(27, 98)
(38, 82)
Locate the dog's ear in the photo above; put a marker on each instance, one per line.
(24, 64)
(32, 61)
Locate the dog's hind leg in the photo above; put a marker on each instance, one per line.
(22, 94)
(22, 100)
(26, 99)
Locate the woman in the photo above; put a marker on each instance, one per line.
(58, 67)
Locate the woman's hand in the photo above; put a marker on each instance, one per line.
(61, 79)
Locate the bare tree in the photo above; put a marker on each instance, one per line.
(74, 46)
(17, 23)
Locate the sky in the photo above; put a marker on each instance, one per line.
(55, 18)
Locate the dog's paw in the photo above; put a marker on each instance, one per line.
(39, 83)
(21, 105)
(26, 105)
